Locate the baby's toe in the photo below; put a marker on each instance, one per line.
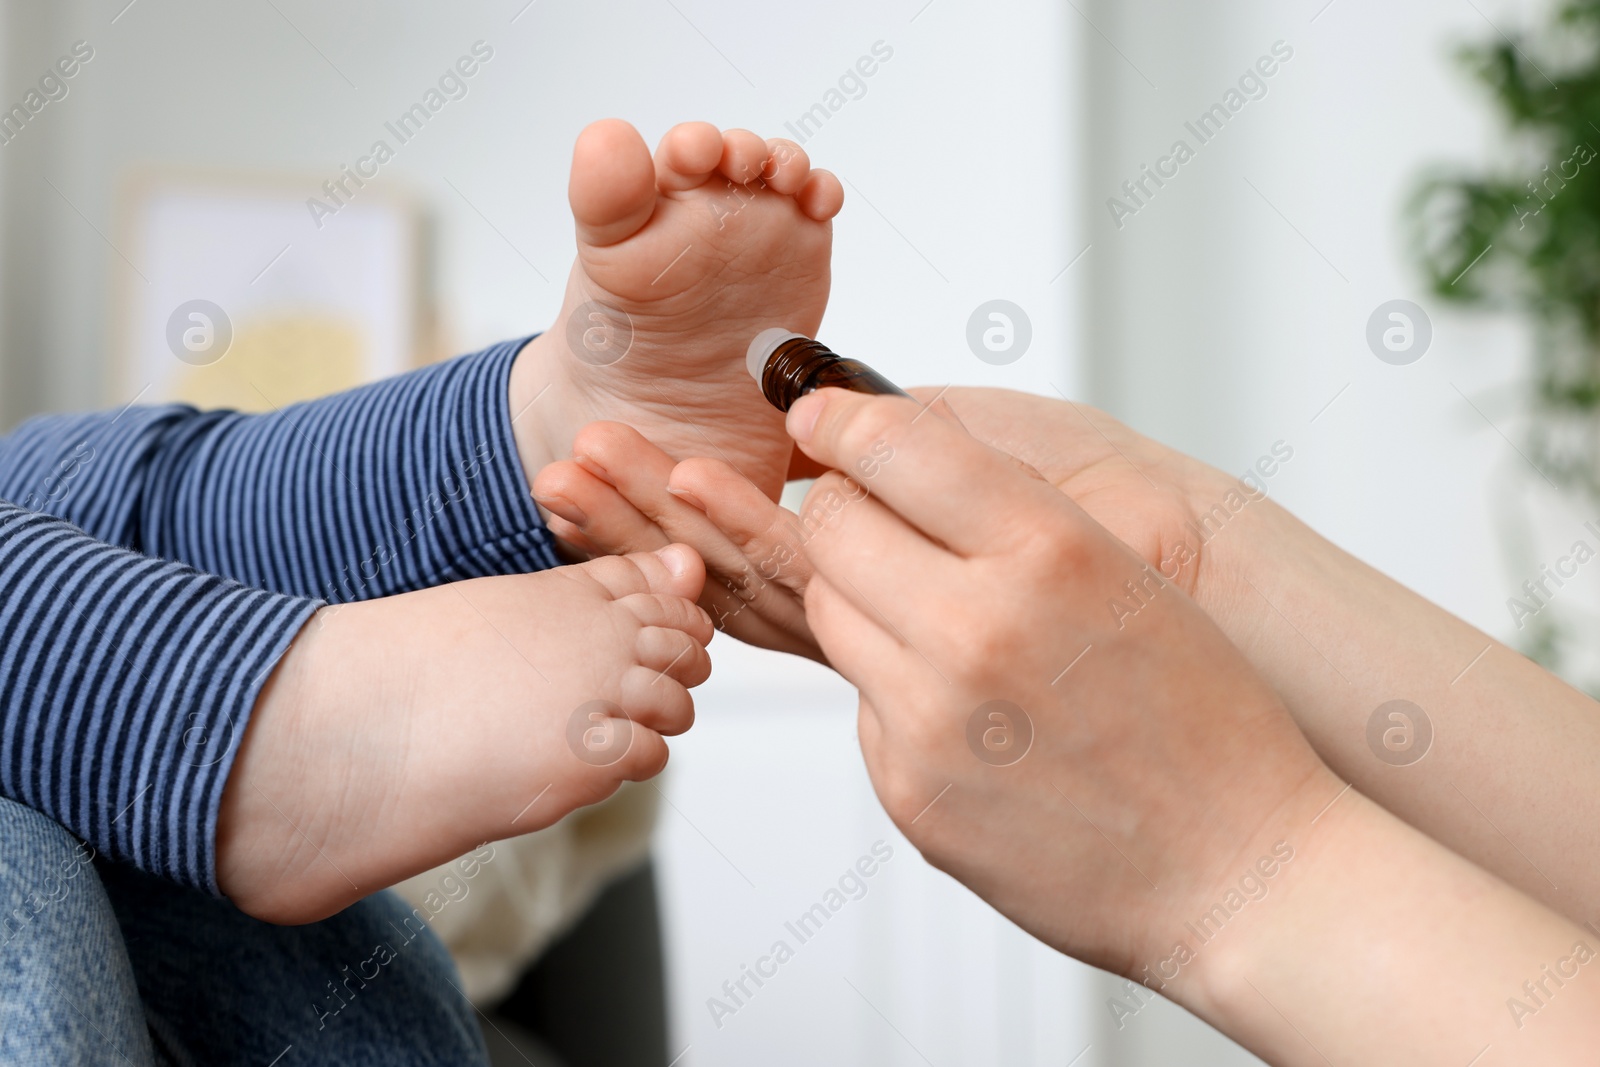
(612, 189)
(673, 655)
(744, 156)
(645, 757)
(687, 155)
(657, 702)
(787, 167)
(822, 196)
(615, 745)
(671, 612)
(676, 570)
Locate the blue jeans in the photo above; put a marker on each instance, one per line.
(101, 963)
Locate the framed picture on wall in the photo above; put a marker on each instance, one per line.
(251, 301)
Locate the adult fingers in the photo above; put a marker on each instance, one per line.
(954, 489)
(591, 514)
(857, 645)
(768, 537)
(871, 556)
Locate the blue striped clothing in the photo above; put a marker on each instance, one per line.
(155, 563)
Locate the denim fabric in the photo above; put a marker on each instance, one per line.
(104, 964)
(67, 992)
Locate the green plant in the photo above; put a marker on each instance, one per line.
(1527, 239)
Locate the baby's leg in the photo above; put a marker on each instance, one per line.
(67, 990)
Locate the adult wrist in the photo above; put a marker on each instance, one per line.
(1193, 956)
(1231, 967)
(1245, 562)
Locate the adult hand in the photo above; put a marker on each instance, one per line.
(1126, 788)
(1099, 777)
(1492, 743)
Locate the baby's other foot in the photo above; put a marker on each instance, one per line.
(401, 733)
(682, 259)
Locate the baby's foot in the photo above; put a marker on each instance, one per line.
(399, 734)
(682, 259)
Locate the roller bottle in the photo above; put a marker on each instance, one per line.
(789, 365)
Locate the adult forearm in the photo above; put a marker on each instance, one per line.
(1379, 946)
(1491, 755)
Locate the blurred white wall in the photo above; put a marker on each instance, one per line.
(1224, 316)
(1233, 307)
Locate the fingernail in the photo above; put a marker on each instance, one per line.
(803, 416)
(566, 509)
(589, 463)
(673, 556)
(687, 497)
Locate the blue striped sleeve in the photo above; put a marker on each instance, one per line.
(125, 681)
(125, 684)
(393, 487)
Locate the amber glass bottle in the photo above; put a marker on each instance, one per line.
(788, 365)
